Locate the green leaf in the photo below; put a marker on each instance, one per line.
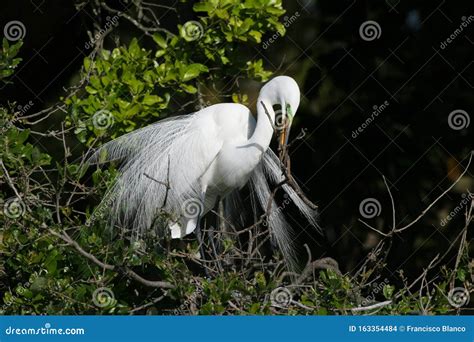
(136, 86)
(160, 53)
(132, 111)
(254, 308)
(87, 63)
(388, 291)
(91, 90)
(105, 54)
(189, 88)
(461, 275)
(150, 100)
(5, 45)
(133, 48)
(158, 38)
(260, 278)
(193, 71)
(256, 35)
(116, 53)
(203, 7)
(275, 11)
(105, 80)
(22, 136)
(222, 14)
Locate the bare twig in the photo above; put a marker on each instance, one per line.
(153, 302)
(120, 269)
(10, 182)
(371, 307)
(399, 230)
(423, 213)
(147, 30)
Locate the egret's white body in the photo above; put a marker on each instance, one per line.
(195, 159)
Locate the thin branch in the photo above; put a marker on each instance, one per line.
(135, 22)
(392, 202)
(120, 269)
(66, 238)
(371, 307)
(373, 228)
(268, 116)
(153, 302)
(423, 213)
(10, 182)
(156, 180)
(399, 230)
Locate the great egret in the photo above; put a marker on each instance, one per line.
(182, 165)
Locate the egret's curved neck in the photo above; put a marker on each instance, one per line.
(263, 132)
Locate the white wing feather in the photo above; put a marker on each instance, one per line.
(182, 147)
(280, 230)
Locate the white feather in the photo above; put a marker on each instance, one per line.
(198, 158)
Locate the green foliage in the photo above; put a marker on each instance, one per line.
(132, 86)
(242, 21)
(129, 87)
(16, 152)
(8, 59)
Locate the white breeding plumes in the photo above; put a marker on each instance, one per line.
(181, 166)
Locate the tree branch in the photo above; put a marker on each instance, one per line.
(119, 269)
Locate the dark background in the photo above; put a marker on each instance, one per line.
(342, 77)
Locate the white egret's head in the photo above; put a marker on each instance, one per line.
(283, 91)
